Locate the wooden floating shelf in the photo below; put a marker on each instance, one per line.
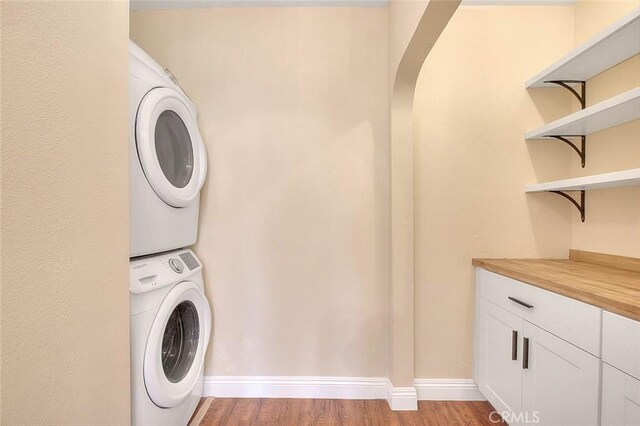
(606, 180)
(609, 113)
(615, 44)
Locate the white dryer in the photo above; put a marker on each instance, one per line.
(168, 162)
(170, 331)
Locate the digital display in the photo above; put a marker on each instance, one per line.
(189, 260)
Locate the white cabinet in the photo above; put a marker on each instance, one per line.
(569, 319)
(499, 357)
(560, 382)
(528, 373)
(620, 371)
(621, 343)
(620, 398)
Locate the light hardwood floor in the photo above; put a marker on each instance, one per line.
(250, 411)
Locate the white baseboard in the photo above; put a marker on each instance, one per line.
(402, 398)
(447, 390)
(296, 387)
(399, 398)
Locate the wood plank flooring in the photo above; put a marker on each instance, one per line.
(284, 412)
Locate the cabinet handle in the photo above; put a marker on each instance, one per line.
(525, 353)
(520, 302)
(514, 345)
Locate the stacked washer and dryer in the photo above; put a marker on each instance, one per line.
(170, 315)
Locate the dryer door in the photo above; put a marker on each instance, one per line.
(177, 342)
(170, 147)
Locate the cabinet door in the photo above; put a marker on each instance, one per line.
(620, 398)
(500, 374)
(560, 382)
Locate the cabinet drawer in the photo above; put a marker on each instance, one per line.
(621, 343)
(569, 319)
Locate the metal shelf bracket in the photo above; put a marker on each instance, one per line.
(580, 206)
(582, 151)
(582, 96)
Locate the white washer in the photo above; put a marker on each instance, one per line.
(170, 331)
(168, 162)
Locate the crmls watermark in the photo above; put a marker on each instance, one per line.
(523, 417)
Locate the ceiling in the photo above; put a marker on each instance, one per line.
(193, 4)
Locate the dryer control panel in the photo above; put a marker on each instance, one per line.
(152, 272)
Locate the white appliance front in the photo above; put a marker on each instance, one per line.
(169, 147)
(176, 345)
(167, 159)
(170, 332)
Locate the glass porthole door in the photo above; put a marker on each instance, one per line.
(174, 149)
(170, 147)
(180, 341)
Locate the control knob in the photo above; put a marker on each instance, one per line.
(176, 265)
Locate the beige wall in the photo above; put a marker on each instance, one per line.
(293, 235)
(1, 216)
(295, 215)
(471, 111)
(472, 164)
(613, 216)
(403, 19)
(65, 301)
(413, 31)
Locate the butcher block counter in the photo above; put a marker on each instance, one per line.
(606, 281)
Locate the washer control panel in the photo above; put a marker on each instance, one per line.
(176, 265)
(156, 271)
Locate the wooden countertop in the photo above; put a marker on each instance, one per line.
(609, 282)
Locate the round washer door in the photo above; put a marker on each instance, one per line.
(176, 345)
(170, 147)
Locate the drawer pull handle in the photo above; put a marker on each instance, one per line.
(520, 302)
(525, 353)
(514, 345)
